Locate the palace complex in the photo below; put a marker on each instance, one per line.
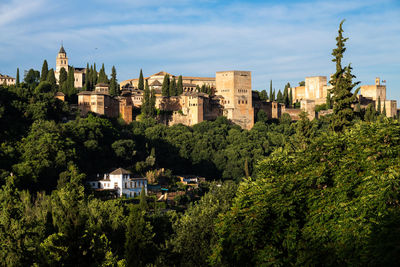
(231, 96)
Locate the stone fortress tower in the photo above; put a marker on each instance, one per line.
(235, 88)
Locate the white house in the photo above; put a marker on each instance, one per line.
(122, 181)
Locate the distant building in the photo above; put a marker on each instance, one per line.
(62, 62)
(6, 80)
(122, 182)
(98, 101)
(156, 79)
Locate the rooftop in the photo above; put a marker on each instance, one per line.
(120, 171)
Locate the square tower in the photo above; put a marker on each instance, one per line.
(235, 88)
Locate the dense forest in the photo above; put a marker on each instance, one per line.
(305, 193)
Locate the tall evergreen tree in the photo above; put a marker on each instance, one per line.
(102, 75)
(51, 78)
(379, 108)
(146, 101)
(270, 91)
(94, 76)
(69, 85)
(273, 96)
(87, 78)
(62, 78)
(290, 97)
(342, 84)
(45, 71)
(113, 82)
(179, 85)
(141, 81)
(286, 95)
(384, 109)
(172, 87)
(279, 97)
(165, 86)
(152, 104)
(17, 78)
(370, 113)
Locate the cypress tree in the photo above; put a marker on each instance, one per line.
(45, 71)
(94, 76)
(17, 78)
(290, 97)
(286, 95)
(279, 97)
(197, 88)
(273, 96)
(141, 81)
(180, 85)
(165, 86)
(113, 82)
(69, 85)
(102, 75)
(384, 109)
(342, 83)
(378, 109)
(152, 104)
(62, 78)
(270, 91)
(172, 87)
(51, 78)
(145, 109)
(87, 80)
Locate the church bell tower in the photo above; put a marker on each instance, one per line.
(62, 60)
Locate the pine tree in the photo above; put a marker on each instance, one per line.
(271, 98)
(141, 81)
(51, 78)
(113, 82)
(172, 87)
(45, 71)
(180, 85)
(342, 83)
(384, 109)
(62, 78)
(87, 80)
(378, 109)
(165, 86)
(17, 79)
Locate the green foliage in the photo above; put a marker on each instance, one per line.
(51, 78)
(279, 97)
(17, 78)
(271, 94)
(165, 86)
(302, 83)
(45, 71)
(63, 78)
(196, 229)
(172, 91)
(332, 203)
(141, 81)
(102, 75)
(179, 87)
(113, 82)
(342, 97)
(318, 108)
(148, 103)
(370, 113)
(263, 95)
(32, 78)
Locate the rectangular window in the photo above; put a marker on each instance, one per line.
(116, 185)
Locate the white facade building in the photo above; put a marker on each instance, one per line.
(122, 181)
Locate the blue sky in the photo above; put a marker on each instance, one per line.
(280, 40)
